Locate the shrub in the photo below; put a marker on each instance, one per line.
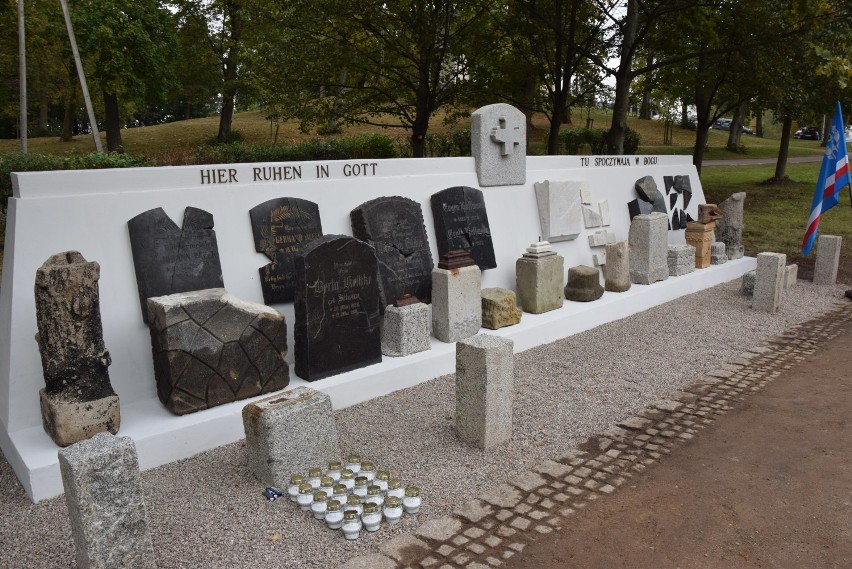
(632, 140)
(362, 146)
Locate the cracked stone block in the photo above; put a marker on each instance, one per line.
(407, 329)
(484, 390)
(211, 348)
(499, 145)
(681, 260)
(769, 282)
(648, 248)
(827, 259)
(499, 308)
(288, 433)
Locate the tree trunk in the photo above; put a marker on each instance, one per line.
(684, 113)
(645, 105)
(758, 125)
(623, 77)
(230, 68)
(69, 118)
(700, 145)
(826, 130)
(112, 122)
(553, 135)
(783, 148)
(736, 132)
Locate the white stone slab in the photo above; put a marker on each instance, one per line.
(559, 209)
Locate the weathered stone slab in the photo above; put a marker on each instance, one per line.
(499, 145)
(791, 276)
(583, 284)
(338, 307)
(559, 209)
(461, 222)
(502, 496)
(106, 504)
(499, 308)
(169, 259)
(747, 286)
(484, 390)
(769, 282)
(700, 236)
(617, 269)
(211, 348)
(456, 303)
(538, 279)
(440, 529)
(289, 433)
(394, 227)
(827, 259)
(473, 511)
(648, 248)
(681, 260)
(729, 229)
(280, 227)
(78, 400)
(717, 254)
(407, 329)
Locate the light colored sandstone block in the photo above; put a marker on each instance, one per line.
(617, 269)
(499, 308)
(791, 276)
(484, 390)
(769, 282)
(456, 303)
(827, 259)
(538, 279)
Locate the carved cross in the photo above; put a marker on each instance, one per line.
(507, 138)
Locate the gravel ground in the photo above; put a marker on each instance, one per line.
(208, 511)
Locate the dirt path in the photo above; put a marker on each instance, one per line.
(767, 485)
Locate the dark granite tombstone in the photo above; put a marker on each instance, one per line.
(280, 227)
(394, 227)
(461, 222)
(170, 259)
(337, 307)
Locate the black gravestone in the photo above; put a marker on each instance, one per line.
(337, 307)
(170, 259)
(461, 222)
(394, 227)
(280, 227)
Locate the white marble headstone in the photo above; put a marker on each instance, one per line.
(559, 209)
(499, 145)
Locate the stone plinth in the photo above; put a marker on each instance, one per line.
(106, 505)
(456, 303)
(78, 400)
(211, 348)
(484, 390)
(700, 236)
(407, 329)
(583, 284)
(499, 308)
(747, 286)
(289, 433)
(769, 282)
(827, 259)
(791, 276)
(617, 268)
(729, 229)
(717, 254)
(538, 279)
(681, 260)
(649, 246)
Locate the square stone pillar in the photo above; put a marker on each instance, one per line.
(484, 390)
(827, 259)
(106, 504)
(769, 282)
(649, 248)
(456, 303)
(289, 433)
(538, 279)
(407, 329)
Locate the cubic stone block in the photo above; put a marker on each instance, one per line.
(499, 145)
(484, 390)
(769, 282)
(700, 236)
(456, 303)
(827, 259)
(499, 308)
(617, 268)
(791, 276)
(211, 348)
(717, 254)
(747, 286)
(106, 505)
(538, 279)
(584, 284)
(407, 329)
(649, 248)
(289, 432)
(681, 260)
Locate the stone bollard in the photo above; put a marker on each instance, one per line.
(106, 505)
(617, 268)
(681, 260)
(484, 390)
(289, 433)
(78, 400)
(456, 301)
(649, 246)
(791, 276)
(407, 327)
(717, 254)
(827, 259)
(538, 279)
(769, 282)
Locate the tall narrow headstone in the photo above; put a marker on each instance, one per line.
(461, 223)
(538, 278)
(617, 268)
(78, 400)
(280, 227)
(769, 282)
(337, 307)
(484, 390)
(729, 229)
(456, 300)
(394, 227)
(499, 145)
(827, 259)
(106, 504)
(559, 209)
(170, 259)
(649, 248)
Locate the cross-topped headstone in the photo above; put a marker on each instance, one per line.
(499, 145)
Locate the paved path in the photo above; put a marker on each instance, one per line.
(758, 161)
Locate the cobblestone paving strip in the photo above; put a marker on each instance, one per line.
(486, 531)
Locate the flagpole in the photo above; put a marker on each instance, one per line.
(22, 78)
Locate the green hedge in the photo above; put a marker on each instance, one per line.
(363, 146)
(574, 139)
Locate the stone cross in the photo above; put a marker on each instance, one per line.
(507, 138)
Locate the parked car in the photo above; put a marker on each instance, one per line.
(725, 124)
(807, 133)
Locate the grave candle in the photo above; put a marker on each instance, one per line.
(293, 486)
(347, 478)
(319, 505)
(339, 492)
(305, 497)
(334, 470)
(374, 496)
(314, 475)
(371, 517)
(353, 463)
(393, 510)
(360, 489)
(333, 514)
(368, 470)
(395, 488)
(353, 502)
(351, 524)
(381, 480)
(412, 501)
(327, 485)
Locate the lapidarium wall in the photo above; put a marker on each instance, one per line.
(88, 211)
